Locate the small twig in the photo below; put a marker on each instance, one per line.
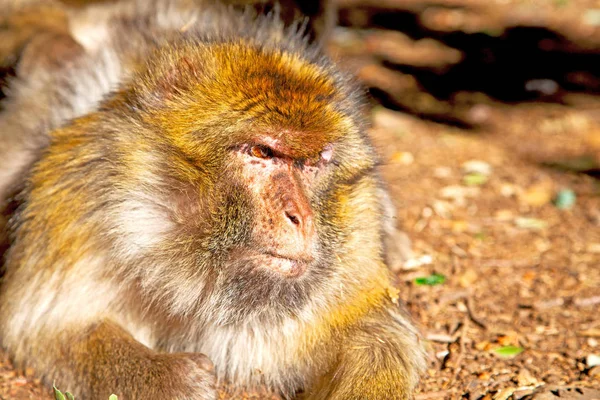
(461, 354)
(593, 332)
(472, 316)
(586, 302)
(440, 338)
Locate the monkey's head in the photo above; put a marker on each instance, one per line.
(257, 153)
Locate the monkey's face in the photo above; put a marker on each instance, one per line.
(283, 235)
(276, 247)
(279, 146)
(283, 223)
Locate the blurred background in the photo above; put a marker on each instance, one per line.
(486, 114)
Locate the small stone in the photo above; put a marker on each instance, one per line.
(507, 340)
(457, 192)
(537, 195)
(525, 378)
(593, 248)
(390, 120)
(504, 394)
(441, 354)
(484, 376)
(529, 276)
(546, 87)
(468, 278)
(483, 346)
(403, 157)
(508, 190)
(533, 224)
(542, 245)
(592, 360)
(459, 226)
(417, 262)
(443, 208)
(504, 215)
(21, 381)
(479, 113)
(477, 167)
(521, 393)
(592, 17)
(442, 172)
(550, 303)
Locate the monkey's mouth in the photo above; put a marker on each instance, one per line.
(285, 266)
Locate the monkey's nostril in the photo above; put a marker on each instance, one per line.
(295, 220)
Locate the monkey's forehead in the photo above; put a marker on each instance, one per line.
(250, 91)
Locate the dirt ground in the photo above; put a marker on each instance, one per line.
(502, 199)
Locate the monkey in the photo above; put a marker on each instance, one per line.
(191, 198)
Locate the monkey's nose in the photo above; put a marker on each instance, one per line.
(292, 216)
(301, 230)
(300, 217)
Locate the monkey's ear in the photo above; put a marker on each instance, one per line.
(36, 39)
(48, 52)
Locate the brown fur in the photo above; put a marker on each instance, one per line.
(212, 192)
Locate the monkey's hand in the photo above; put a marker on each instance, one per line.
(104, 359)
(380, 360)
(186, 376)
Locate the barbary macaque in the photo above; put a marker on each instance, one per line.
(191, 198)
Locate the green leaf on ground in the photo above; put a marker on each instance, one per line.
(508, 351)
(475, 179)
(58, 394)
(431, 280)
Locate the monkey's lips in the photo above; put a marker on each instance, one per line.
(288, 267)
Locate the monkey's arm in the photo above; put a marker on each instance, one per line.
(63, 311)
(111, 361)
(69, 338)
(381, 359)
(94, 360)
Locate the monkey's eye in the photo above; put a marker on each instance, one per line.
(261, 151)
